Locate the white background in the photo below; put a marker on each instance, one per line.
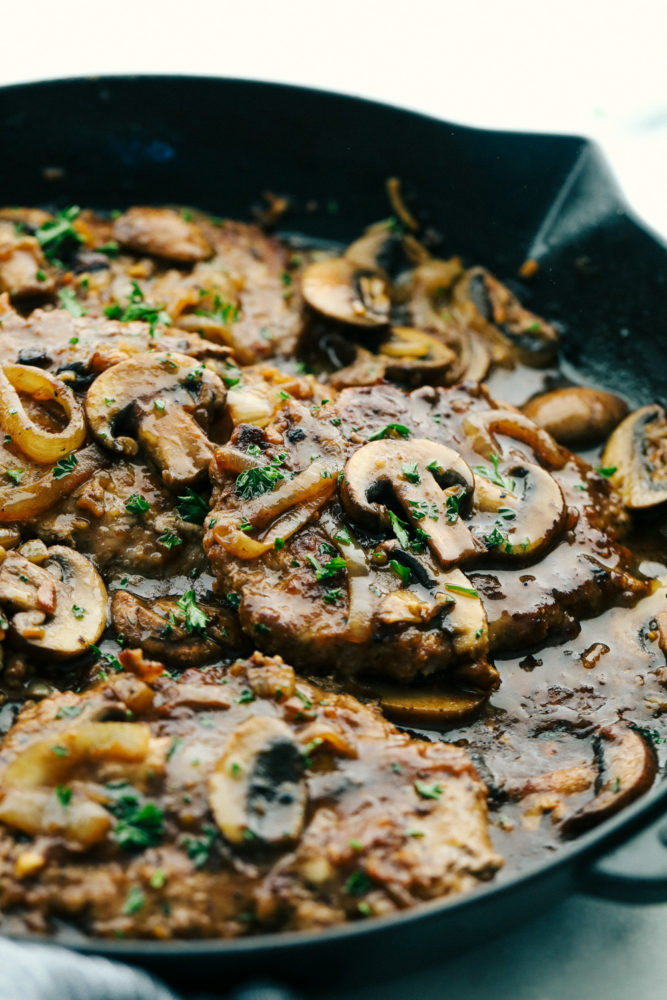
(594, 67)
(588, 67)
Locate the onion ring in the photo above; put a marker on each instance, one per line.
(38, 444)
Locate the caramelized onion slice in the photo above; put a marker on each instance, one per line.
(483, 427)
(36, 442)
(23, 502)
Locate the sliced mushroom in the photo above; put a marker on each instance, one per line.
(257, 788)
(158, 628)
(407, 356)
(337, 288)
(628, 768)
(577, 417)
(163, 399)
(421, 476)
(482, 427)
(57, 608)
(161, 232)
(637, 454)
(428, 706)
(525, 519)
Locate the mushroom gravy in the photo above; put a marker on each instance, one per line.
(358, 463)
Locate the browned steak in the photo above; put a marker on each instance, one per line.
(345, 528)
(228, 803)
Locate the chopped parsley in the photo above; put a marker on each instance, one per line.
(137, 504)
(58, 236)
(495, 538)
(358, 884)
(245, 697)
(466, 591)
(140, 824)
(255, 482)
(111, 248)
(223, 312)
(453, 503)
(199, 848)
(401, 571)
(329, 569)
(234, 600)
(78, 612)
(433, 791)
(196, 620)
(69, 711)
(400, 530)
(69, 302)
(191, 507)
(60, 751)
(391, 430)
(606, 471)
(170, 540)
(158, 878)
(16, 475)
(411, 472)
(232, 376)
(494, 475)
(343, 536)
(64, 466)
(138, 309)
(333, 596)
(63, 794)
(134, 902)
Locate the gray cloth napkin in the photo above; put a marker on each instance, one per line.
(41, 972)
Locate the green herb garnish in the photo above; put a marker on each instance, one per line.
(63, 467)
(391, 430)
(69, 301)
(137, 504)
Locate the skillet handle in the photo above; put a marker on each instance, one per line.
(634, 871)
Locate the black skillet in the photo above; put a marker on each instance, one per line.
(498, 198)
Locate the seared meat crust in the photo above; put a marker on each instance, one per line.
(287, 604)
(387, 820)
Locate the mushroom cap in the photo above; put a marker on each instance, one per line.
(629, 766)
(637, 451)
(577, 416)
(121, 395)
(532, 515)
(341, 290)
(60, 606)
(416, 472)
(429, 706)
(257, 789)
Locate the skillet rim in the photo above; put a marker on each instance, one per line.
(631, 821)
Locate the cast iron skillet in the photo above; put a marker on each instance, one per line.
(498, 198)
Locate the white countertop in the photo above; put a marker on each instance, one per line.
(582, 66)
